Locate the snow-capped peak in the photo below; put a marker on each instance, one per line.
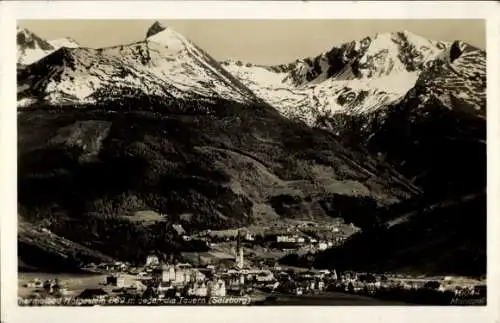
(356, 77)
(30, 47)
(166, 36)
(395, 52)
(64, 42)
(163, 66)
(155, 28)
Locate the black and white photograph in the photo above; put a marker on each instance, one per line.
(251, 162)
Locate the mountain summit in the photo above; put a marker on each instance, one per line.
(357, 77)
(164, 66)
(154, 29)
(30, 47)
(64, 42)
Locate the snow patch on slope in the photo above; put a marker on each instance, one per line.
(164, 65)
(326, 97)
(64, 42)
(30, 47)
(371, 73)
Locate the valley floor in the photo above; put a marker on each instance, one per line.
(75, 284)
(326, 298)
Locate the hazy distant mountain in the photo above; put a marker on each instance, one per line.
(64, 42)
(30, 47)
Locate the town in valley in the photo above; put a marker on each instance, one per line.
(219, 278)
(196, 162)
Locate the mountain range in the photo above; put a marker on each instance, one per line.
(367, 131)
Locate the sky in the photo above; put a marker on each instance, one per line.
(257, 41)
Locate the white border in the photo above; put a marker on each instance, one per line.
(10, 11)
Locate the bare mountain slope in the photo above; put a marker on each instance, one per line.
(220, 168)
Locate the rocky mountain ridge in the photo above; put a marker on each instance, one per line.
(165, 65)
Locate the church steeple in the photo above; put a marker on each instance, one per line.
(239, 251)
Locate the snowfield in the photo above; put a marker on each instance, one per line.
(355, 78)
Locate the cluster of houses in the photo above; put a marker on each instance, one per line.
(280, 238)
(293, 241)
(48, 287)
(356, 283)
(305, 282)
(107, 267)
(159, 280)
(182, 279)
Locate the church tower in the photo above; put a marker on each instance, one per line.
(239, 251)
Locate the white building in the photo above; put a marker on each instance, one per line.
(265, 276)
(179, 229)
(199, 289)
(143, 276)
(216, 288)
(120, 282)
(321, 285)
(168, 274)
(181, 276)
(284, 238)
(152, 260)
(197, 276)
(183, 266)
(322, 246)
(164, 287)
(36, 283)
(249, 237)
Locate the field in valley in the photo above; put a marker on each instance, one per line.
(75, 283)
